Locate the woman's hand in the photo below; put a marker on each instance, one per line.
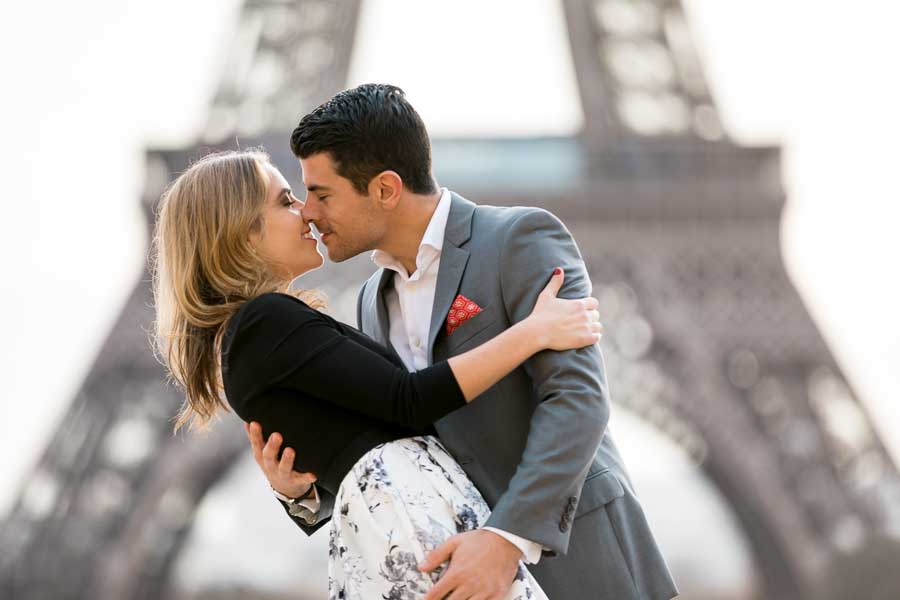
(561, 324)
(280, 473)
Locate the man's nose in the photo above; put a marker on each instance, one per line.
(309, 208)
(307, 211)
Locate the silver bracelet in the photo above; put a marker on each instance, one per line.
(288, 500)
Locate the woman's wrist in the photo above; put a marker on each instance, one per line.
(533, 334)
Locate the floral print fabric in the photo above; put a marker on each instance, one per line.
(401, 500)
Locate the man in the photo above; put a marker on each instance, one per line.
(538, 448)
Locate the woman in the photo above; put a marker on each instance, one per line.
(230, 238)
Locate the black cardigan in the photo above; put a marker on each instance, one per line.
(331, 391)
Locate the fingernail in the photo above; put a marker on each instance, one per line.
(557, 271)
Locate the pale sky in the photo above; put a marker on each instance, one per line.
(88, 89)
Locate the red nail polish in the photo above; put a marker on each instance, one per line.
(557, 271)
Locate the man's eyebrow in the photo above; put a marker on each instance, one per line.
(318, 188)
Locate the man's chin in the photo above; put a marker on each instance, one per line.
(338, 258)
(338, 252)
(337, 255)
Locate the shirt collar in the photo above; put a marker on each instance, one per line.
(433, 237)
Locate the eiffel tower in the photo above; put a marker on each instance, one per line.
(707, 340)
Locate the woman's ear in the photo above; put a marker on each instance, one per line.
(387, 189)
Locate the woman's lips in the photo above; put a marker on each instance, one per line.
(317, 232)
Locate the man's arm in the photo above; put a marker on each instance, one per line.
(569, 423)
(565, 430)
(309, 516)
(531, 551)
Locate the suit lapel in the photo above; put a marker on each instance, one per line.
(377, 309)
(453, 265)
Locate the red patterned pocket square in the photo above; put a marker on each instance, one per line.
(461, 310)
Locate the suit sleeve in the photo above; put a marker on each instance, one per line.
(295, 347)
(359, 301)
(310, 526)
(570, 420)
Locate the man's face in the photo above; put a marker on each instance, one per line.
(349, 222)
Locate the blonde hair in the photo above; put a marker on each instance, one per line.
(204, 269)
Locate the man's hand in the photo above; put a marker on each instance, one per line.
(281, 474)
(483, 566)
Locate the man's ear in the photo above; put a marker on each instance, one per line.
(386, 188)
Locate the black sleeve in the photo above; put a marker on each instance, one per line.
(293, 346)
(326, 509)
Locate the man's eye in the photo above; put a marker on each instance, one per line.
(323, 198)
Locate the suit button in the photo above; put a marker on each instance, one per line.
(564, 525)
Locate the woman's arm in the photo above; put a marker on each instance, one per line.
(553, 324)
(293, 347)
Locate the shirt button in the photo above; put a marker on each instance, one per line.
(416, 343)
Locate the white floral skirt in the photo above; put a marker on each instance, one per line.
(401, 500)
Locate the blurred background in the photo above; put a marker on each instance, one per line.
(727, 167)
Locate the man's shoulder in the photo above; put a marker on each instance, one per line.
(490, 215)
(371, 280)
(500, 219)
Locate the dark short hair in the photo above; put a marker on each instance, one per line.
(367, 130)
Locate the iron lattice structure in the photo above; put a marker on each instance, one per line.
(707, 340)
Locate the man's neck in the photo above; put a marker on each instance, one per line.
(408, 229)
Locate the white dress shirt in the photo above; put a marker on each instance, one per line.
(306, 509)
(409, 304)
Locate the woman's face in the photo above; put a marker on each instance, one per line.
(285, 240)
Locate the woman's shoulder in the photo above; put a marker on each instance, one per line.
(276, 301)
(274, 309)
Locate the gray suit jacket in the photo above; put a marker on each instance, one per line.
(502, 258)
(535, 443)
